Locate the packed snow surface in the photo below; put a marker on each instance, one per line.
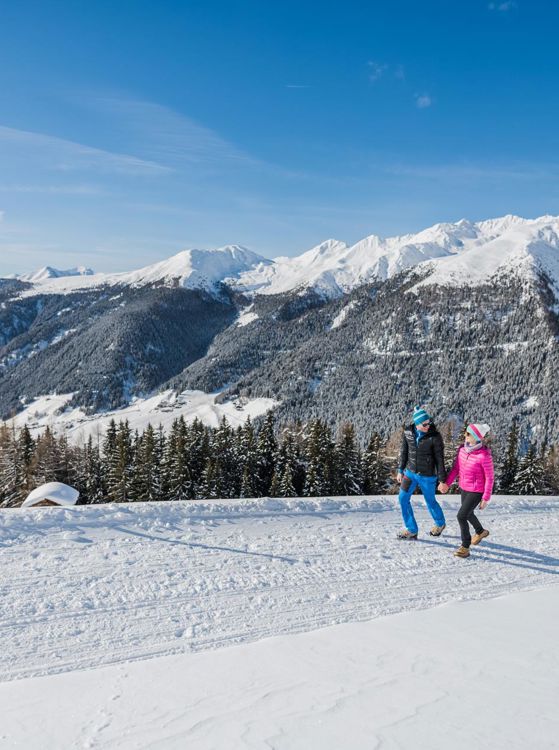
(53, 411)
(169, 586)
(466, 675)
(95, 585)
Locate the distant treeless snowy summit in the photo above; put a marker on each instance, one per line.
(463, 252)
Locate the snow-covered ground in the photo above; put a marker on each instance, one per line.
(160, 409)
(96, 588)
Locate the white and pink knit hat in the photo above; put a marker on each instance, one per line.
(479, 431)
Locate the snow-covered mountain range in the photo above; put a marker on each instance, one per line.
(463, 252)
(463, 316)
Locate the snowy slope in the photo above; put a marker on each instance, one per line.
(523, 248)
(466, 675)
(94, 585)
(192, 269)
(161, 409)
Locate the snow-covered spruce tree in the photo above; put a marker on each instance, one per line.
(349, 475)
(509, 466)
(375, 467)
(530, 478)
(179, 481)
(320, 460)
(286, 466)
(119, 466)
(198, 452)
(92, 473)
(266, 449)
(11, 469)
(48, 459)
(25, 456)
(220, 477)
(146, 480)
(208, 488)
(246, 460)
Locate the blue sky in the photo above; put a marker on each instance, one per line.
(132, 130)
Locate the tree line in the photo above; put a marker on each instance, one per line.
(193, 461)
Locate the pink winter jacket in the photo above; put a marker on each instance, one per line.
(475, 471)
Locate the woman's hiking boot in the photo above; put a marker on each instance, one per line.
(462, 552)
(405, 534)
(476, 539)
(437, 530)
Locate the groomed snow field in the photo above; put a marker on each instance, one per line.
(274, 623)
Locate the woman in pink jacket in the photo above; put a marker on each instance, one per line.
(474, 467)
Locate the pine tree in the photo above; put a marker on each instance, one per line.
(530, 477)
(48, 463)
(119, 475)
(179, 485)
(11, 469)
(320, 460)
(246, 459)
(25, 447)
(198, 449)
(349, 477)
(266, 450)
(509, 467)
(375, 468)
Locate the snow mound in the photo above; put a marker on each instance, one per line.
(57, 492)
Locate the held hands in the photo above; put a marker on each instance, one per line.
(443, 487)
(399, 477)
(483, 504)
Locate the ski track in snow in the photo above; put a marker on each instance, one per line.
(100, 585)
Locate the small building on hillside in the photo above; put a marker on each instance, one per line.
(51, 493)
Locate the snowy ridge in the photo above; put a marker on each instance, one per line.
(191, 269)
(47, 272)
(462, 252)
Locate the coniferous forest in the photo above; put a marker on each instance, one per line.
(193, 462)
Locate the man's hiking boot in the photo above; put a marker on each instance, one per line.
(462, 552)
(476, 539)
(405, 534)
(437, 530)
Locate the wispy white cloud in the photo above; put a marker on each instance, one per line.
(66, 155)
(55, 189)
(296, 86)
(423, 101)
(503, 7)
(166, 136)
(400, 72)
(473, 172)
(376, 70)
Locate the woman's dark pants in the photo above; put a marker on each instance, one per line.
(470, 501)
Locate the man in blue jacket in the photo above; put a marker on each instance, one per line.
(421, 465)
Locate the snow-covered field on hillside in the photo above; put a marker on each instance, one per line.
(98, 587)
(163, 408)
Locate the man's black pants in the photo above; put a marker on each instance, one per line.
(470, 501)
